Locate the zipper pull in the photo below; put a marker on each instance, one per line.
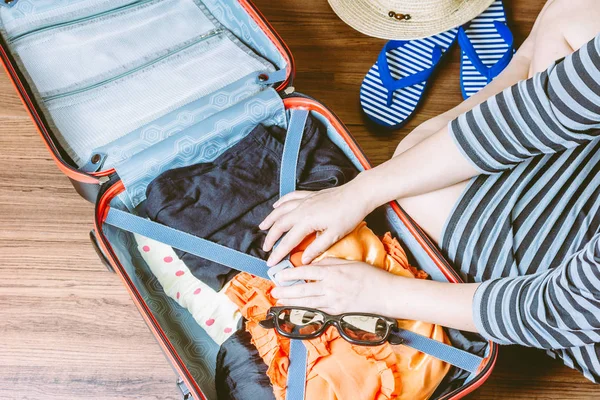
(8, 3)
(289, 90)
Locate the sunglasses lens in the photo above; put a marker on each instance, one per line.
(364, 328)
(300, 322)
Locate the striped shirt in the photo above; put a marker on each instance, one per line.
(528, 227)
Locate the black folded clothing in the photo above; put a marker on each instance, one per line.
(241, 372)
(225, 200)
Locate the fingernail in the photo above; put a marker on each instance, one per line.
(305, 260)
(276, 204)
(270, 262)
(275, 292)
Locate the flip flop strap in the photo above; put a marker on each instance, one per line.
(492, 71)
(388, 80)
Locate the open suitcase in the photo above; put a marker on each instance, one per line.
(193, 77)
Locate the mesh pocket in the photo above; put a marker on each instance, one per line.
(29, 15)
(95, 117)
(88, 52)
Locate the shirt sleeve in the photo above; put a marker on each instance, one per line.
(556, 109)
(554, 309)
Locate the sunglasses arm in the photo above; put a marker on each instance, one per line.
(393, 338)
(267, 323)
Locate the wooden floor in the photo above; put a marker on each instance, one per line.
(68, 329)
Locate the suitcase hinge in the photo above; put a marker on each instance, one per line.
(187, 395)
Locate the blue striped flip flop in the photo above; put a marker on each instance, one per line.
(394, 86)
(487, 48)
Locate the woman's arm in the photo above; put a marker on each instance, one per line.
(340, 286)
(557, 308)
(553, 111)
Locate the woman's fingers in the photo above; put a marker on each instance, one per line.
(319, 303)
(292, 239)
(323, 242)
(297, 195)
(277, 213)
(298, 291)
(329, 261)
(281, 226)
(306, 273)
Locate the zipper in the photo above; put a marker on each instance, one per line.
(202, 38)
(76, 21)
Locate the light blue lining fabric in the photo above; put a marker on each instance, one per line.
(101, 114)
(199, 143)
(27, 15)
(81, 54)
(231, 14)
(176, 121)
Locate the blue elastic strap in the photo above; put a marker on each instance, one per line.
(492, 71)
(291, 150)
(457, 357)
(272, 77)
(296, 381)
(91, 166)
(189, 243)
(392, 84)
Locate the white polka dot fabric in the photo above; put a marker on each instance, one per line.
(213, 311)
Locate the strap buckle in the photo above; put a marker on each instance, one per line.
(274, 270)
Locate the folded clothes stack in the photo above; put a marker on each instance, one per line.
(224, 201)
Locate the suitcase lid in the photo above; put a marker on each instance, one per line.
(90, 173)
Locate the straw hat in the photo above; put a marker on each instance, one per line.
(407, 19)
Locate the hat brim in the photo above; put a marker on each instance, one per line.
(363, 16)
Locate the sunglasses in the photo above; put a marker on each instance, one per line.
(307, 323)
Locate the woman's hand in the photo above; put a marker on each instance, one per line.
(331, 212)
(338, 286)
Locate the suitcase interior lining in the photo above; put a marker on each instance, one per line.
(196, 348)
(98, 77)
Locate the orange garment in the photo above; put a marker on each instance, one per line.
(336, 369)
